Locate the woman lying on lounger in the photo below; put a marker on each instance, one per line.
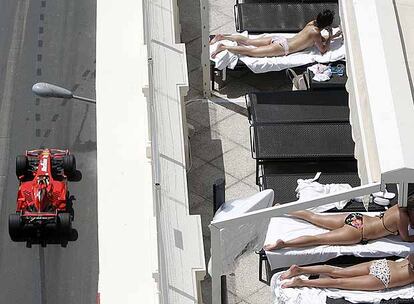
(368, 276)
(279, 45)
(352, 228)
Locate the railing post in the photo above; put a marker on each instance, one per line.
(216, 294)
(205, 48)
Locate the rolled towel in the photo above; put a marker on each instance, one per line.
(381, 201)
(387, 195)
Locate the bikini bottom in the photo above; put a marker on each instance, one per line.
(356, 220)
(282, 41)
(381, 270)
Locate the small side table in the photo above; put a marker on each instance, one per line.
(336, 82)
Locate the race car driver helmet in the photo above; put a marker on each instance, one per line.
(42, 182)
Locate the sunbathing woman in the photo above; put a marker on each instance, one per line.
(353, 228)
(368, 276)
(279, 45)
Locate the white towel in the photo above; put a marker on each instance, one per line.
(310, 295)
(304, 295)
(268, 64)
(309, 188)
(224, 59)
(321, 72)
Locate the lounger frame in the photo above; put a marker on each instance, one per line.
(279, 16)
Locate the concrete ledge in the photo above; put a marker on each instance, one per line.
(181, 251)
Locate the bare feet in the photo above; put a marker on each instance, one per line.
(278, 245)
(293, 271)
(216, 38)
(220, 48)
(295, 282)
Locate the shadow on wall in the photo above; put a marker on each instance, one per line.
(205, 168)
(190, 21)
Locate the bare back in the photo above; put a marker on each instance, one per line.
(304, 39)
(374, 226)
(401, 273)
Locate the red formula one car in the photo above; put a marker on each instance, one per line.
(43, 214)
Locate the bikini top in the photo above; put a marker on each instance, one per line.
(381, 216)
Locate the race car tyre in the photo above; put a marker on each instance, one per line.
(65, 223)
(22, 165)
(69, 165)
(51, 226)
(15, 226)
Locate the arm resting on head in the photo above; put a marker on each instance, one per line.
(321, 43)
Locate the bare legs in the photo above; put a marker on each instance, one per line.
(345, 235)
(330, 222)
(271, 50)
(354, 278)
(242, 40)
(332, 271)
(263, 46)
(340, 234)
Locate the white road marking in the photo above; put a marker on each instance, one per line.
(6, 106)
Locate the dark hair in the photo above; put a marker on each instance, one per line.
(324, 19)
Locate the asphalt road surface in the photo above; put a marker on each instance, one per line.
(51, 41)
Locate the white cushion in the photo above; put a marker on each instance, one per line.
(236, 240)
(240, 206)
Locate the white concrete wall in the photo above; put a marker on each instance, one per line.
(128, 257)
(360, 111)
(405, 11)
(381, 100)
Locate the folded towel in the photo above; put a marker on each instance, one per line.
(321, 72)
(224, 59)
